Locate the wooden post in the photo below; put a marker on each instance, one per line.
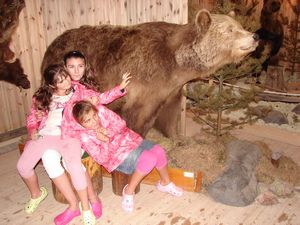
(119, 180)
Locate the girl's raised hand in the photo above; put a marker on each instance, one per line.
(125, 80)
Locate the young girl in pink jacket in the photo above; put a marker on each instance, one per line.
(83, 78)
(107, 139)
(45, 133)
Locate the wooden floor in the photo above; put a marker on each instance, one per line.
(152, 206)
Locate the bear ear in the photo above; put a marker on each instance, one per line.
(203, 20)
(231, 14)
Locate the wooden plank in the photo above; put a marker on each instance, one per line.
(189, 181)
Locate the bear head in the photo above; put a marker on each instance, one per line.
(218, 40)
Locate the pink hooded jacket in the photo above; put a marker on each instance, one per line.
(109, 154)
(80, 93)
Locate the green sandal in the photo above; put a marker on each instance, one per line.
(32, 205)
(88, 216)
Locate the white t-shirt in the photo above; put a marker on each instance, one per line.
(53, 122)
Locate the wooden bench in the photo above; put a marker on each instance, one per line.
(189, 181)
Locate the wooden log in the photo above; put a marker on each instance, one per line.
(189, 181)
(95, 173)
(119, 180)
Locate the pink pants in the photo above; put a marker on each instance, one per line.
(70, 150)
(154, 157)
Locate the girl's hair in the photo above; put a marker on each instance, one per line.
(88, 79)
(81, 108)
(50, 78)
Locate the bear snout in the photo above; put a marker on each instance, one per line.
(255, 37)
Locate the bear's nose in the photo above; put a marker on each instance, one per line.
(256, 37)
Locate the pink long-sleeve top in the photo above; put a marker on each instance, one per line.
(80, 93)
(111, 154)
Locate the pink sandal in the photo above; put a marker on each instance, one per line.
(97, 209)
(66, 216)
(170, 188)
(127, 201)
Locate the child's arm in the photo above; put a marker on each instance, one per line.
(117, 92)
(92, 148)
(33, 120)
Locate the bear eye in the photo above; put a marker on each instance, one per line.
(229, 29)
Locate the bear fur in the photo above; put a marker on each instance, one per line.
(11, 72)
(271, 33)
(161, 57)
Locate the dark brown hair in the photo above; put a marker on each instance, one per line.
(50, 78)
(88, 79)
(81, 108)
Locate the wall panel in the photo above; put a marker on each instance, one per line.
(41, 21)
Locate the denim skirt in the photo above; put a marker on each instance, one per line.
(129, 164)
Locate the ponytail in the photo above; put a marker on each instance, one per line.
(43, 97)
(44, 94)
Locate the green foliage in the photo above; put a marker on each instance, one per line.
(244, 13)
(291, 40)
(209, 101)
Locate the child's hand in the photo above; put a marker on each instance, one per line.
(102, 130)
(94, 100)
(125, 80)
(39, 115)
(34, 135)
(101, 134)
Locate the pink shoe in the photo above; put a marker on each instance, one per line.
(97, 209)
(170, 188)
(66, 216)
(127, 201)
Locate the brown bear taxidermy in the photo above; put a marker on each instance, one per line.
(161, 57)
(11, 72)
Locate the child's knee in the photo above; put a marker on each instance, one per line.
(51, 161)
(161, 156)
(146, 162)
(23, 169)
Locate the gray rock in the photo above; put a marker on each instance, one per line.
(275, 117)
(237, 186)
(296, 109)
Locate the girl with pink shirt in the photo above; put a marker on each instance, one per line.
(107, 139)
(44, 123)
(51, 98)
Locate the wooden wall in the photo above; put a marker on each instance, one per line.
(43, 20)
